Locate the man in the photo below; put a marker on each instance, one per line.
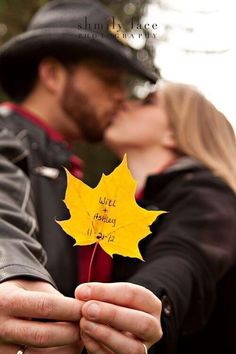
(68, 81)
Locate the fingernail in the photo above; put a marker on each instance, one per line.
(84, 292)
(93, 310)
(89, 326)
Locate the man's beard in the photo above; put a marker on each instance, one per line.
(77, 105)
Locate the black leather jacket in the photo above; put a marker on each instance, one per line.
(190, 257)
(31, 200)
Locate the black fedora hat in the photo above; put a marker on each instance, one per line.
(67, 29)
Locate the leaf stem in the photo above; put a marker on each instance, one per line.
(91, 262)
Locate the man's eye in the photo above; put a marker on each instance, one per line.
(150, 99)
(147, 101)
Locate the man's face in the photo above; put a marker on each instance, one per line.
(92, 95)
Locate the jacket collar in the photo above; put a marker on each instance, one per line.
(184, 163)
(56, 145)
(36, 120)
(156, 183)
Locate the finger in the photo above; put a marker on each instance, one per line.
(33, 304)
(123, 294)
(13, 349)
(94, 347)
(38, 334)
(9, 348)
(112, 339)
(71, 349)
(140, 324)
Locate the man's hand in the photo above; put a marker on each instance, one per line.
(24, 307)
(119, 318)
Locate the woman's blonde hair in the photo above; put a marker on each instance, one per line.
(200, 130)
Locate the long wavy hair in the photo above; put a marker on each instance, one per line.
(200, 130)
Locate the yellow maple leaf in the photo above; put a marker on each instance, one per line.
(107, 214)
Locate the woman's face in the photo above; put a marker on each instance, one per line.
(141, 124)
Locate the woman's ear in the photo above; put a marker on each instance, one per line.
(169, 140)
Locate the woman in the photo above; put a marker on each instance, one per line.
(182, 152)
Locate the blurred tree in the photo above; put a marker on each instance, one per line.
(14, 17)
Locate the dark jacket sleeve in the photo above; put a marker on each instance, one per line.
(20, 253)
(192, 248)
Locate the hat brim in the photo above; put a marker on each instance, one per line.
(67, 42)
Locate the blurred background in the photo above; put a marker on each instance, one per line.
(189, 41)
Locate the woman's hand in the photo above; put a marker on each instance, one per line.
(119, 318)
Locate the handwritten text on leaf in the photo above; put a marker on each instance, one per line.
(107, 214)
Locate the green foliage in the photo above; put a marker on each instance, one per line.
(15, 15)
